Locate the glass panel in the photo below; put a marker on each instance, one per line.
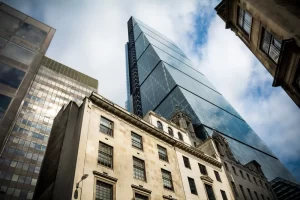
(8, 23)
(210, 192)
(139, 169)
(105, 154)
(31, 34)
(4, 103)
(10, 76)
(18, 53)
(274, 53)
(241, 17)
(192, 186)
(141, 45)
(140, 197)
(137, 31)
(266, 41)
(104, 191)
(136, 141)
(2, 42)
(167, 179)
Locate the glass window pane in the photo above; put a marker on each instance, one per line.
(31, 34)
(104, 191)
(18, 53)
(8, 23)
(4, 103)
(10, 76)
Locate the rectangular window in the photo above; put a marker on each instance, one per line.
(105, 155)
(242, 189)
(254, 180)
(106, 126)
(10, 76)
(162, 153)
(139, 171)
(104, 191)
(249, 178)
(136, 141)
(242, 174)
(233, 168)
(202, 169)
(256, 195)
(245, 20)
(17, 53)
(270, 45)
(226, 166)
(210, 192)
(167, 179)
(4, 103)
(234, 189)
(262, 196)
(224, 196)
(262, 185)
(192, 186)
(217, 176)
(140, 197)
(249, 192)
(186, 162)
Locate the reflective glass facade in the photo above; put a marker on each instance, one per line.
(53, 86)
(164, 78)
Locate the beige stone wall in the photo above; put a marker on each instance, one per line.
(123, 158)
(194, 173)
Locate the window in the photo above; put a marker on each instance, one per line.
(224, 196)
(162, 153)
(217, 176)
(202, 169)
(20, 54)
(210, 192)
(139, 169)
(233, 168)
(244, 20)
(186, 162)
(242, 189)
(170, 131)
(256, 195)
(8, 23)
(242, 174)
(105, 155)
(261, 184)
(4, 103)
(159, 125)
(106, 126)
(10, 76)
(192, 186)
(31, 34)
(136, 140)
(226, 166)
(249, 178)
(270, 45)
(255, 180)
(180, 136)
(249, 192)
(262, 196)
(234, 189)
(140, 197)
(104, 191)
(167, 179)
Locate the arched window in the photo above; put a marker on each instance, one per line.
(170, 131)
(159, 125)
(180, 136)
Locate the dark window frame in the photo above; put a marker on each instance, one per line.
(269, 43)
(111, 157)
(161, 156)
(136, 144)
(186, 162)
(241, 13)
(109, 131)
(217, 176)
(192, 185)
(166, 172)
(202, 169)
(142, 195)
(135, 166)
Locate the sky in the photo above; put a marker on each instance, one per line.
(91, 35)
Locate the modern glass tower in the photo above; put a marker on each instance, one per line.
(161, 78)
(54, 85)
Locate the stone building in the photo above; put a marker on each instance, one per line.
(101, 151)
(247, 181)
(270, 29)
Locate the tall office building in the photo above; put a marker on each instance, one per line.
(270, 29)
(161, 78)
(54, 85)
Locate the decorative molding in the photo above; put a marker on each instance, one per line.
(207, 178)
(103, 175)
(168, 197)
(140, 188)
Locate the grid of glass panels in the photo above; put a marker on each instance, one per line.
(162, 153)
(105, 155)
(270, 45)
(140, 197)
(136, 140)
(245, 20)
(167, 179)
(104, 191)
(106, 126)
(139, 169)
(21, 159)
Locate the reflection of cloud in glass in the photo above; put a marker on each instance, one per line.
(10, 76)
(18, 53)
(31, 34)
(8, 23)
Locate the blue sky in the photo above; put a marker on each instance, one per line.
(91, 35)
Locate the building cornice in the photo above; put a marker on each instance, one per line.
(149, 128)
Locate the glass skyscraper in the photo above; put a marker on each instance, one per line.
(160, 77)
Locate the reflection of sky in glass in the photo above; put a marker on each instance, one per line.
(18, 53)
(31, 34)
(10, 76)
(8, 23)
(4, 103)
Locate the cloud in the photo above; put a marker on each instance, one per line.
(91, 36)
